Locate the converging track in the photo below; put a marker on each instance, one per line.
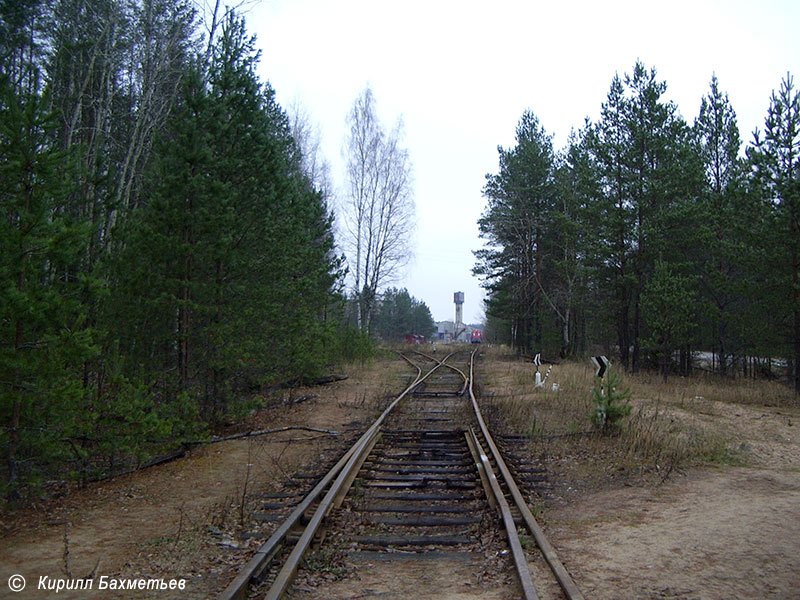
(425, 477)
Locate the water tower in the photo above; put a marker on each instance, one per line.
(458, 298)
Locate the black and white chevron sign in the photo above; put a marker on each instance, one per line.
(602, 364)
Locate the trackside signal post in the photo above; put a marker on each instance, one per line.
(611, 405)
(538, 381)
(602, 364)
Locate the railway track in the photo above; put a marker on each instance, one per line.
(425, 478)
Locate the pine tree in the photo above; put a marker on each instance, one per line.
(520, 199)
(609, 146)
(721, 223)
(399, 314)
(234, 244)
(648, 182)
(43, 340)
(652, 130)
(573, 237)
(668, 308)
(775, 159)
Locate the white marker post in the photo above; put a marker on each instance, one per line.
(547, 374)
(539, 382)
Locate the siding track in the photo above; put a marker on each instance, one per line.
(426, 477)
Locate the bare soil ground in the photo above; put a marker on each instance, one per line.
(713, 532)
(180, 519)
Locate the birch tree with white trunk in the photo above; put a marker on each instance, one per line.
(378, 208)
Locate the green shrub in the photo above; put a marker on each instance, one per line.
(353, 345)
(611, 405)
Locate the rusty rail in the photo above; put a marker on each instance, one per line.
(342, 472)
(561, 574)
(340, 478)
(518, 553)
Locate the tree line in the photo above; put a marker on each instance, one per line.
(399, 313)
(649, 237)
(165, 249)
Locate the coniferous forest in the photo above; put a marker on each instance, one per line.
(652, 240)
(162, 252)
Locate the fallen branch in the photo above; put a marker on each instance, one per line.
(237, 436)
(553, 436)
(328, 379)
(308, 438)
(300, 399)
(181, 452)
(298, 382)
(160, 460)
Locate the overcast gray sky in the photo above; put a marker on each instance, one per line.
(461, 73)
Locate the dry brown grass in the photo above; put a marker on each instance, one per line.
(509, 383)
(672, 424)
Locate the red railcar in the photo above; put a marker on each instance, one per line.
(477, 336)
(414, 339)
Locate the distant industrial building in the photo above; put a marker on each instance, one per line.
(446, 331)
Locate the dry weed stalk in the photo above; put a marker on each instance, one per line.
(67, 569)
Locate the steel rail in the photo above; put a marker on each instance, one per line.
(289, 569)
(518, 553)
(344, 473)
(237, 589)
(563, 577)
(476, 452)
(362, 446)
(456, 369)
